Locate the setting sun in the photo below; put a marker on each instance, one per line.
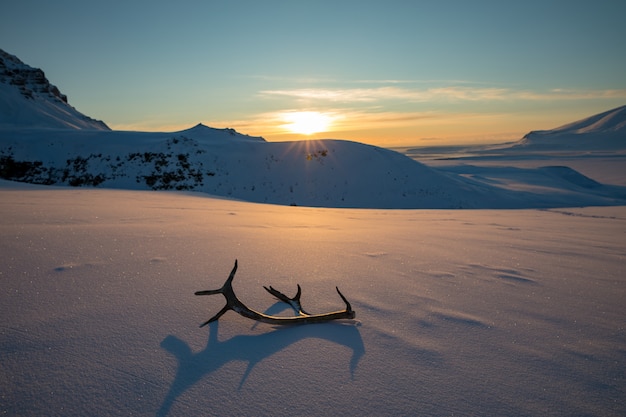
(307, 122)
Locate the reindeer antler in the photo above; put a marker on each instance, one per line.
(233, 303)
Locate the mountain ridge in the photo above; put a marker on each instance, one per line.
(28, 99)
(609, 121)
(602, 131)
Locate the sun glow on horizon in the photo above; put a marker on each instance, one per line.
(307, 122)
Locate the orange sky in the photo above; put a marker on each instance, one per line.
(419, 128)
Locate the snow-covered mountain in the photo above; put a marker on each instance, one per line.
(603, 131)
(27, 99)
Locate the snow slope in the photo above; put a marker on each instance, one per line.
(27, 99)
(458, 312)
(569, 165)
(604, 131)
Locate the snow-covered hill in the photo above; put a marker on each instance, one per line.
(27, 99)
(225, 163)
(604, 131)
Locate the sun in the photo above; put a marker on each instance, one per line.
(307, 122)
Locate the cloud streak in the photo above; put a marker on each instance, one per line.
(451, 93)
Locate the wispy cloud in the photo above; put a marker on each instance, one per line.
(449, 93)
(345, 95)
(295, 80)
(415, 81)
(569, 94)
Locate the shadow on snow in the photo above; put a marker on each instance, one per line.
(253, 349)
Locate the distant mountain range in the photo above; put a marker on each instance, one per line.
(43, 140)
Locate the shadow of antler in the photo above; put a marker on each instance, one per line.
(192, 367)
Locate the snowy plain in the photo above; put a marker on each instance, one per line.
(458, 312)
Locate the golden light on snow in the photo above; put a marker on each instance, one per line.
(307, 122)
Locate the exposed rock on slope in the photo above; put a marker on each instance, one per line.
(27, 99)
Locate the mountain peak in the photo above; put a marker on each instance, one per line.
(28, 99)
(29, 81)
(201, 129)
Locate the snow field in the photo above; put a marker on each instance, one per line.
(484, 312)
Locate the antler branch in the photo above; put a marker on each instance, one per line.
(233, 303)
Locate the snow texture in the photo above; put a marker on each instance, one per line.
(458, 312)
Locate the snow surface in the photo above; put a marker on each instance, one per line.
(47, 113)
(458, 312)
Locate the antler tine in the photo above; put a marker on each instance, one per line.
(277, 294)
(232, 274)
(293, 302)
(217, 316)
(208, 292)
(227, 292)
(226, 285)
(345, 300)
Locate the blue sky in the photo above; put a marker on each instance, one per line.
(384, 72)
